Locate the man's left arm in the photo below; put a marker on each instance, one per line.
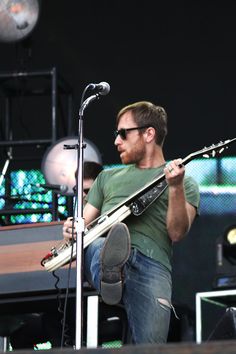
(180, 213)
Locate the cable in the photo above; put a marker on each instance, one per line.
(64, 335)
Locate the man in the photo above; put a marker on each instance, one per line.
(133, 263)
(91, 171)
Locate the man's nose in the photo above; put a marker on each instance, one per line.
(118, 140)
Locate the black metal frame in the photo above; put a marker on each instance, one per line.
(57, 86)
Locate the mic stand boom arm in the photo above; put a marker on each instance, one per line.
(87, 102)
(5, 167)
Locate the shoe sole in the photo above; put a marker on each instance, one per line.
(114, 255)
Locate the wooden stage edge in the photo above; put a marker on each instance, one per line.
(213, 347)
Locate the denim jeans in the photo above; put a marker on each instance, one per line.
(146, 293)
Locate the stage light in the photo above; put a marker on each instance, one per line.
(226, 259)
(59, 164)
(229, 244)
(17, 19)
(230, 236)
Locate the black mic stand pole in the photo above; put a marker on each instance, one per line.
(80, 225)
(6, 165)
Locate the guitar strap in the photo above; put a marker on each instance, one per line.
(142, 203)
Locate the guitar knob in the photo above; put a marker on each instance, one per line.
(54, 251)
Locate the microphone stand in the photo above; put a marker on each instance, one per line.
(5, 167)
(80, 224)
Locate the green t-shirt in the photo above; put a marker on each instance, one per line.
(148, 231)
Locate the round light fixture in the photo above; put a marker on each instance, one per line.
(59, 164)
(231, 236)
(17, 19)
(229, 243)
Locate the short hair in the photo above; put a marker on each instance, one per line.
(92, 169)
(146, 113)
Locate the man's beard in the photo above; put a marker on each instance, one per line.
(133, 156)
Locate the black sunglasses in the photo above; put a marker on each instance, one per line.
(86, 190)
(123, 132)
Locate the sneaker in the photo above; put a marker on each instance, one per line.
(114, 255)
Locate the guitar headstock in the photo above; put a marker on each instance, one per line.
(213, 150)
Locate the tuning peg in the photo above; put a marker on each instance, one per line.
(221, 150)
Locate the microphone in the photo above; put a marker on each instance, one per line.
(103, 88)
(54, 187)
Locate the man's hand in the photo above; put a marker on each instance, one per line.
(174, 172)
(68, 229)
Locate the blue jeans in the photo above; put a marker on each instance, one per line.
(146, 293)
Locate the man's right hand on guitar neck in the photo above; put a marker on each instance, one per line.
(69, 229)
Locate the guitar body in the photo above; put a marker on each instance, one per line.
(68, 251)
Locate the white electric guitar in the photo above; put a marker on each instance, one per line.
(135, 204)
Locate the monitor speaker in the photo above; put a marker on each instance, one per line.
(225, 277)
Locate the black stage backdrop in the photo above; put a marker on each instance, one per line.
(180, 55)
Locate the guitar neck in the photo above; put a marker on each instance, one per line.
(212, 151)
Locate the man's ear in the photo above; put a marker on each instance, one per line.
(150, 134)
